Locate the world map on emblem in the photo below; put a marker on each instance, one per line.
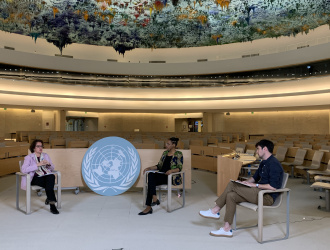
(111, 166)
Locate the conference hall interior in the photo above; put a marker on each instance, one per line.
(220, 75)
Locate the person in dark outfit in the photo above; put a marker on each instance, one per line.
(40, 167)
(170, 162)
(268, 176)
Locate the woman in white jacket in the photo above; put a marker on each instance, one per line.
(40, 167)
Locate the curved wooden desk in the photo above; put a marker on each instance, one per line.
(68, 161)
(228, 169)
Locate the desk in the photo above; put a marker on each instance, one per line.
(204, 157)
(10, 156)
(68, 161)
(228, 169)
(246, 159)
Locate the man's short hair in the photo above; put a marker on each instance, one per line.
(266, 143)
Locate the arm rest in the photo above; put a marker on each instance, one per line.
(58, 173)
(182, 172)
(169, 176)
(262, 192)
(281, 190)
(145, 175)
(21, 174)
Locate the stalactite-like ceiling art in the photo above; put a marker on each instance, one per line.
(129, 24)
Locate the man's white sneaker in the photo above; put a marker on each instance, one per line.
(209, 214)
(222, 233)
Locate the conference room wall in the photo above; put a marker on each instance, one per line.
(91, 124)
(181, 125)
(145, 122)
(303, 122)
(286, 122)
(12, 120)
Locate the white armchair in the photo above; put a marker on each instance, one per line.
(260, 208)
(169, 187)
(29, 188)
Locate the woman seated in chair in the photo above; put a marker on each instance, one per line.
(40, 167)
(170, 162)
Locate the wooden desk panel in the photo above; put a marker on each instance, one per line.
(69, 160)
(145, 146)
(24, 150)
(198, 150)
(3, 152)
(227, 169)
(208, 151)
(203, 162)
(14, 151)
(78, 144)
(10, 165)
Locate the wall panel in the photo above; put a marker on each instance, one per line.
(301, 122)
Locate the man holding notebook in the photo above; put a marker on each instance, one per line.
(268, 176)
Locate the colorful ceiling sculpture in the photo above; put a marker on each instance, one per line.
(129, 24)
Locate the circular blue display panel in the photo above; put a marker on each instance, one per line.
(111, 166)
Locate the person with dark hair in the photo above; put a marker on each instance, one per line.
(266, 143)
(170, 162)
(40, 167)
(268, 176)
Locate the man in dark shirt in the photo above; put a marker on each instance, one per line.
(268, 176)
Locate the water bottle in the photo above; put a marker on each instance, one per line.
(249, 169)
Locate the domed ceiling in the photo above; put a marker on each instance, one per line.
(128, 24)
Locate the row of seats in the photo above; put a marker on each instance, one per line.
(298, 162)
(322, 177)
(322, 182)
(135, 136)
(309, 167)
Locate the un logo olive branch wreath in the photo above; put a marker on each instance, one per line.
(93, 182)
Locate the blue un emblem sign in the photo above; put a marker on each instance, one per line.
(111, 166)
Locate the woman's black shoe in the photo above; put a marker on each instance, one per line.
(53, 209)
(46, 202)
(157, 202)
(150, 212)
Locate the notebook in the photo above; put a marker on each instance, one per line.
(239, 182)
